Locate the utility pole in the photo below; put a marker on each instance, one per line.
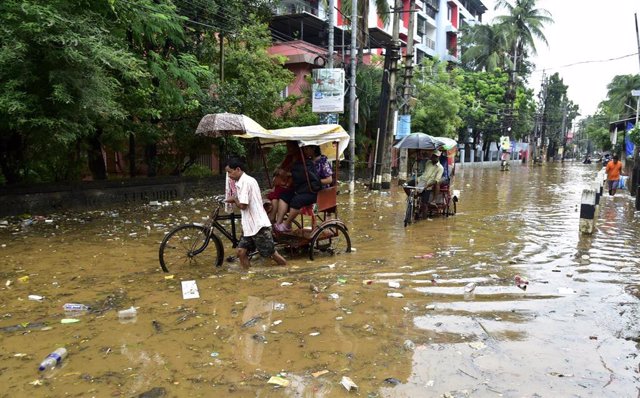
(393, 106)
(331, 37)
(563, 128)
(381, 177)
(407, 87)
(353, 110)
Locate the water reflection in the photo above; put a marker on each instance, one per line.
(336, 315)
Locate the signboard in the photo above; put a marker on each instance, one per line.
(404, 126)
(327, 91)
(635, 93)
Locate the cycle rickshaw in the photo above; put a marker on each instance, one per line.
(320, 231)
(446, 202)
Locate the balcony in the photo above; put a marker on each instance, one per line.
(430, 43)
(433, 4)
(287, 8)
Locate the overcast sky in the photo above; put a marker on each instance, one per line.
(585, 30)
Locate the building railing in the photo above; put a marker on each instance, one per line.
(433, 4)
(430, 43)
(295, 8)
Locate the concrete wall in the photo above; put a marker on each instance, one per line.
(48, 198)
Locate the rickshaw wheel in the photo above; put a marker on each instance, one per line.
(330, 240)
(186, 246)
(409, 214)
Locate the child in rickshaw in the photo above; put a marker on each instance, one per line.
(282, 181)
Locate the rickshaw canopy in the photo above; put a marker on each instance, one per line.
(323, 135)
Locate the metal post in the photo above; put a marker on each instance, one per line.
(353, 111)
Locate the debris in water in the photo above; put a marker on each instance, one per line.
(348, 383)
(319, 373)
(477, 345)
(409, 345)
(251, 321)
(279, 381)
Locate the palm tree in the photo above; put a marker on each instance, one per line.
(619, 95)
(523, 24)
(485, 48)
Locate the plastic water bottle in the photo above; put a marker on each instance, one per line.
(75, 307)
(128, 313)
(53, 359)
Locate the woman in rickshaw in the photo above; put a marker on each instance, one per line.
(306, 184)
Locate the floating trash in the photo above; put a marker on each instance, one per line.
(469, 287)
(348, 384)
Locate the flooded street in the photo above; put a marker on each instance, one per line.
(571, 333)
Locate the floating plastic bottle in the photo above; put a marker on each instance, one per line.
(75, 307)
(52, 360)
(129, 313)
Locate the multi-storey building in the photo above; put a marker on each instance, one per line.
(300, 31)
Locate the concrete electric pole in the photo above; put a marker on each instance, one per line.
(381, 176)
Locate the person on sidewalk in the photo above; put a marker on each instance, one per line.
(256, 226)
(614, 171)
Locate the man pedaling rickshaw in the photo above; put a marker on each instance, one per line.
(429, 181)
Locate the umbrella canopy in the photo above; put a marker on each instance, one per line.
(446, 143)
(221, 124)
(417, 141)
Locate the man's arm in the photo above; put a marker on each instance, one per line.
(235, 201)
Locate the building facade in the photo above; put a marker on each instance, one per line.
(437, 27)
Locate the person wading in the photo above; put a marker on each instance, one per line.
(256, 226)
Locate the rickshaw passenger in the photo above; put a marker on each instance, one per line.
(303, 194)
(282, 180)
(444, 161)
(322, 165)
(430, 180)
(256, 227)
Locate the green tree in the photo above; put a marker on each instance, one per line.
(485, 48)
(620, 102)
(482, 94)
(439, 100)
(523, 23)
(58, 85)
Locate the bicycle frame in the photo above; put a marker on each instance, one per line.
(214, 222)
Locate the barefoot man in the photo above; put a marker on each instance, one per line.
(256, 226)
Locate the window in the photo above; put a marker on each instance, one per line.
(284, 93)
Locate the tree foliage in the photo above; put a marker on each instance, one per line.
(439, 100)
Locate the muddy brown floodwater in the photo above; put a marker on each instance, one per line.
(571, 333)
